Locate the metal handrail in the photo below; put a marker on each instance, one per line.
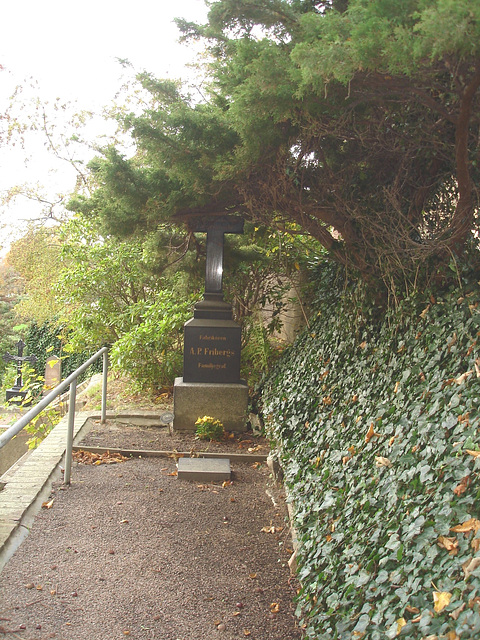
(71, 382)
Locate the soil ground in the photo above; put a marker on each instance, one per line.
(129, 550)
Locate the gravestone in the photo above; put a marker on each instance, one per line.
(15, 394)
(211, 383)
(53, 373)
(212, 339)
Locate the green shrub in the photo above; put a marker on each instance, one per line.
(376, 419)
(152, 351)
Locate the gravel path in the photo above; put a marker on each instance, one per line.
(129, 550)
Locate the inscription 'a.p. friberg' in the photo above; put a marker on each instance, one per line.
(208, 351)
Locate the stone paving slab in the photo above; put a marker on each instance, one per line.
(204, 469)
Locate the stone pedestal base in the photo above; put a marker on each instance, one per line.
(225, 402)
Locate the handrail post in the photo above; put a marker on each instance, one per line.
(104, 388)
(71, 418)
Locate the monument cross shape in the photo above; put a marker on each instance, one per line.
(19, 360)
(216, 228)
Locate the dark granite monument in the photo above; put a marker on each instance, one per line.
(211, 381)
(212, 339)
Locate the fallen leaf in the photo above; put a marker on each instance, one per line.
(475, 454)
(246, 632)
(450, 544)
(371, 434)
(461, 379)
(271, 529)
(274, 607)
(475, 545)
(401, 622)
(397, 385)
(452, 341)
(425, 311)
(380, 461)
(463, 486)
(236, 613)
(458, 611)
(49, 504)
(252, 576)
(362, 345)
(477, 367)
(87, 457)
(411, 609)
(469, 566)
(441, 599)
(173, 473)
(469, 525)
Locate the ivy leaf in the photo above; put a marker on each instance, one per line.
(441, 599)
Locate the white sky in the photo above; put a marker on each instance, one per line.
(71, 49)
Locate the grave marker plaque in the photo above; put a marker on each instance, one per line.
(211, 351)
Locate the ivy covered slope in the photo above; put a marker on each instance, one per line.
(378, 426)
